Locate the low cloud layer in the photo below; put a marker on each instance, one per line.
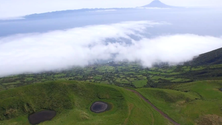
(81, 46)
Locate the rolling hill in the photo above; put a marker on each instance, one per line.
(72, 100)
(189, 94)
(209, 58)
(195, 103)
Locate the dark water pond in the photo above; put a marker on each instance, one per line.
(99, 107)
(42, 116)
(220, 89)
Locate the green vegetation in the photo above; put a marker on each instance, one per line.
(72, 101)
(209, 58)
(198, 102)
(189, 94)
(121, 74)
(33, 98)
(140, 83)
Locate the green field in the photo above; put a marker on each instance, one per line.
(192, 103)
(72, 100)
(190, 94)
(197, 102)
(121, 74)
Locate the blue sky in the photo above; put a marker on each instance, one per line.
(15, 8)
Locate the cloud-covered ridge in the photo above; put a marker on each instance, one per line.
(81, 46)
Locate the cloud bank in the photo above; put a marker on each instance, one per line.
(32, 53)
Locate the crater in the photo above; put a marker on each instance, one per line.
(42, 116)
(99, 107)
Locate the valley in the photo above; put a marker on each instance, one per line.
(185, 94)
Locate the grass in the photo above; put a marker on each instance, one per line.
(105, 68)
(198, 102)
(189, 103)
(110, 74)
(140, 83)
(72, 100)
(101, 73)
(140, 113)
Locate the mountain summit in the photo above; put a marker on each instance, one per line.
(157, 3)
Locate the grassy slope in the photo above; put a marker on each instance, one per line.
(201, 104)
(209, 58)
(72, 101)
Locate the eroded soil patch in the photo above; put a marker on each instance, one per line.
(210, 120)
(42, 116)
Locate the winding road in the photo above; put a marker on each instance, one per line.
(162, 113)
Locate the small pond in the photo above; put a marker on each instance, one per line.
(42, 116)
(99, 107)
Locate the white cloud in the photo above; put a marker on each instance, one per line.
(81, 46)
(172, 48)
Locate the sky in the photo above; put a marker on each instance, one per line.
(62, 49)
(128, 40)
(17, 8)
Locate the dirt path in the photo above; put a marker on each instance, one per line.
(162, 113)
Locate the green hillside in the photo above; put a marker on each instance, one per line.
(190, 94)
(190, 103)
(72, 100)
(209, 58)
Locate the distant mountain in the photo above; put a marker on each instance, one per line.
(65, 13)
(158, 4)
(209, 58)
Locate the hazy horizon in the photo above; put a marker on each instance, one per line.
(24, 7)
(60, 40)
